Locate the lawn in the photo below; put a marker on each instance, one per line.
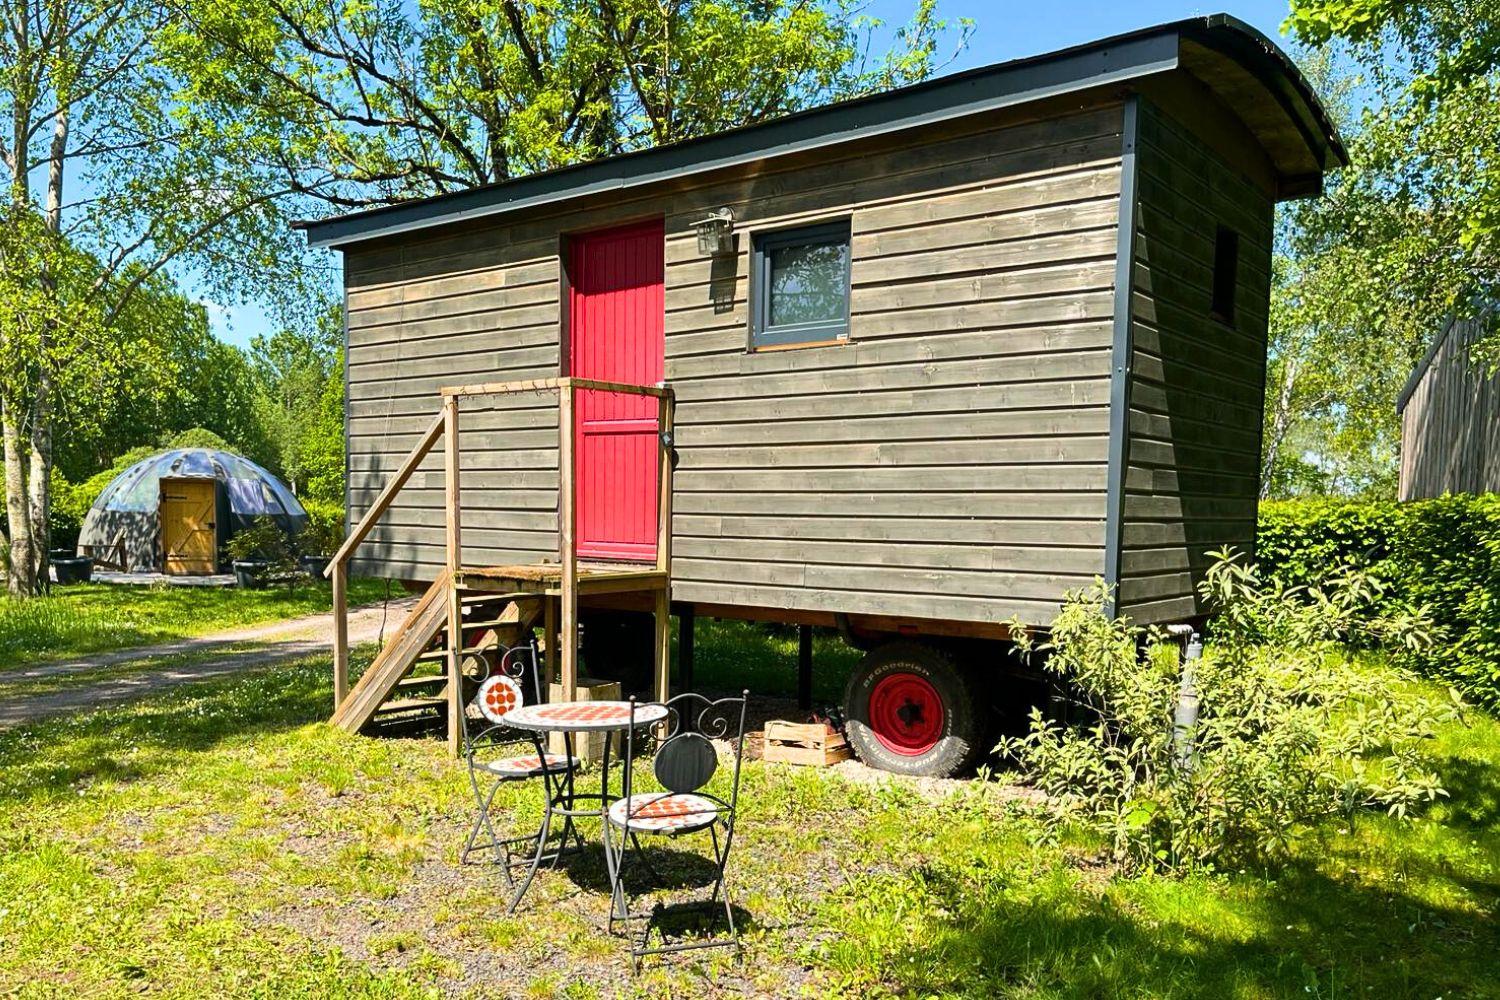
(223, 835)
(88, 618)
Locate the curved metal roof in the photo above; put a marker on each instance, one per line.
(1244, 68)
(252, 490)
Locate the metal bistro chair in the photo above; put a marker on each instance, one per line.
(489, 747)
(685, 762)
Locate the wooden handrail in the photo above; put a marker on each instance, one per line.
(387, 495)
(544, 384)
(446, 425)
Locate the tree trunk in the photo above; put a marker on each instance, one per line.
(1281, 420)
(39, 482)
(22, 577)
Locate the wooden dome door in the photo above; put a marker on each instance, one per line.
(189, 529)
(616, 327)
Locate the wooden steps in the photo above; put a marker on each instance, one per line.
(388, 689)
(500, 606)
(400, 705)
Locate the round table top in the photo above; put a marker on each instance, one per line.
(582, 716)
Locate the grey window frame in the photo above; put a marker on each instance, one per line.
(792, 334)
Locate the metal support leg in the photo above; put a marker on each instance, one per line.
(804, 667)
(686, 626)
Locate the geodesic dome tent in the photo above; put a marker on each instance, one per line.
(174, 511)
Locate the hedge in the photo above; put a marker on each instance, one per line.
(1443, 553)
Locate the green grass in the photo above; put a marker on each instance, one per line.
(732, 654)
(221, 834)
(89, 618)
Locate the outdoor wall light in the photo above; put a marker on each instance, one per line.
(716, 233)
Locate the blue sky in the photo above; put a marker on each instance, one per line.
(1003, 30)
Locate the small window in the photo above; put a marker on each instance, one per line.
(1226, 273)
(800, 286)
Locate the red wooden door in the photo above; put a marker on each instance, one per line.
(615, 333)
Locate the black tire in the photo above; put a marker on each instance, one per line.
(956, 739)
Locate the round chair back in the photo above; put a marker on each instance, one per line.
(686, 762)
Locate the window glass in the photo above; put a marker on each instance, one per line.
(1226, 273)
(801, 279)
(808, 283)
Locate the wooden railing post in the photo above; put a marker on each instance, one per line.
(666, 408)
(454, 564)
(340, 634)
(567, 546)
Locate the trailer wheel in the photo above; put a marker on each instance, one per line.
(910, 709)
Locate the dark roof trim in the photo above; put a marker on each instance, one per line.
(1288, 86)
(1109, 61)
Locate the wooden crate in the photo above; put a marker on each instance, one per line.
(812, 743)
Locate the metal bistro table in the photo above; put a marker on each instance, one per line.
(567, 718)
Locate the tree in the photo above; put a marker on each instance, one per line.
(293, 373)
(1403, 238)
(87, 97)
(385, 100)
(1432, 137)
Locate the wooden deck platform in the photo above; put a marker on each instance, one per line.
(545, 579)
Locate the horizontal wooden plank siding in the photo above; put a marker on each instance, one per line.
(949, 461)
(1197, 383)
(1450, 426)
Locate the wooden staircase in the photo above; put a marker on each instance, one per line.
(419, 673)
(408, 681)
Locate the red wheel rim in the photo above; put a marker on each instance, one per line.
(906, 714)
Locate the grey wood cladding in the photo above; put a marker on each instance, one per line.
(1197, 383)
(948, 462)
(1450, 420)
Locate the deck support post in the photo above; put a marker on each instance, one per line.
(687, 620)
(567, 524)
(340, 634)
(662, 688)
(549, 629)
(804, 666)
(454, 564)
(666, 408)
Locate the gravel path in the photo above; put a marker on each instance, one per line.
(270, 644)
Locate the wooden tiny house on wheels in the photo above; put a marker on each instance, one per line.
(922, 361)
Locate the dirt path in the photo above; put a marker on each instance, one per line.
(270, 644)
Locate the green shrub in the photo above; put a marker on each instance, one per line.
(325, 528)
(1441, 554)
(264, 539)
(1289, 731)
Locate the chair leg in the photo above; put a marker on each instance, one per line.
(614, 863)
(536, 859)
(482, 820)
(720, 896)
(722, 857)
(645, 858)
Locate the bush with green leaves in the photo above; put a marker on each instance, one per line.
(1441, 554)
(264, 539)
(324, 532)
(1289, 730)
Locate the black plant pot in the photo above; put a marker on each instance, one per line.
(73, 569)
(314, 566)
(250, 572)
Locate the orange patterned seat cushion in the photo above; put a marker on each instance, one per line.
(529, 765)
(663, 812)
